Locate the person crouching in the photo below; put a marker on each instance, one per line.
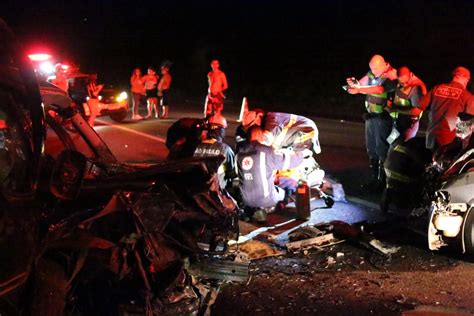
(257, 164)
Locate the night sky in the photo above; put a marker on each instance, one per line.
(293, 52)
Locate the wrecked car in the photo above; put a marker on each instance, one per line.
(82, 233)
(445, 213)
(451, 213)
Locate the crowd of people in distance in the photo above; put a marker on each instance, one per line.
(154, 88)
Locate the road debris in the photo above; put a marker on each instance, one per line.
(312, 242)
(254, 250)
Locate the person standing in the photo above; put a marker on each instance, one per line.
(150, 81)
(138, 90)
(93, 90)
(404, 109)
(163, 90)
(61, 79)
(217, 86)
(376, 85)
(445, 102)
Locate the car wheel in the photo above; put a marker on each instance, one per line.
(469, 232)
(119, 116)
(329, 201)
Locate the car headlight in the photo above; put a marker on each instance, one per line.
(122, 96)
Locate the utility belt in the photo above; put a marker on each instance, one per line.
(384, 116)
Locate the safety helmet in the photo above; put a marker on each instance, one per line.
(216, 125)
(217, 120)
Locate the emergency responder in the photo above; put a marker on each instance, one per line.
(404, 167)
(445, 102)
(93, 90)
(403, 108)
(217, 86)
(212, 144)
(257, 164)
(283, 130)
(377, 84)
(183, 136)
(163, 90)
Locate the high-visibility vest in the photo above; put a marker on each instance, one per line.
(402, 98)
(374, 103)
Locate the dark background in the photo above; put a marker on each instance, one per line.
(280, 54)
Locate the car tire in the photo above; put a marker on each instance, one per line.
(119, 116)
(469, 232)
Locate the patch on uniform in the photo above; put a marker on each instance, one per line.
(247, 163)
(448, 92)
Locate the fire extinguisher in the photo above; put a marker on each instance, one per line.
(303, 197)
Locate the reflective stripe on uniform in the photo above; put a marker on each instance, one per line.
(373, 108)
(374, 103)
(221, 169)
(393, 175)
(401, 99)
(304, 137)
(402, 149)
(268, 138)
(263, 174)
(279, 139)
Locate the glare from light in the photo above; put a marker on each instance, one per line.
(122, 96)
(100, 97)
(39, 57)
(46, 68)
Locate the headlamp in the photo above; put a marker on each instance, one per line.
(122, 96)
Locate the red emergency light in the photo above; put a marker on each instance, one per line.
(39, 57)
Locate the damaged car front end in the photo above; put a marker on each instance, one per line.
(82, 233)
(451, 215)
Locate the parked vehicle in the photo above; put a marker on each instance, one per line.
(113, 102)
